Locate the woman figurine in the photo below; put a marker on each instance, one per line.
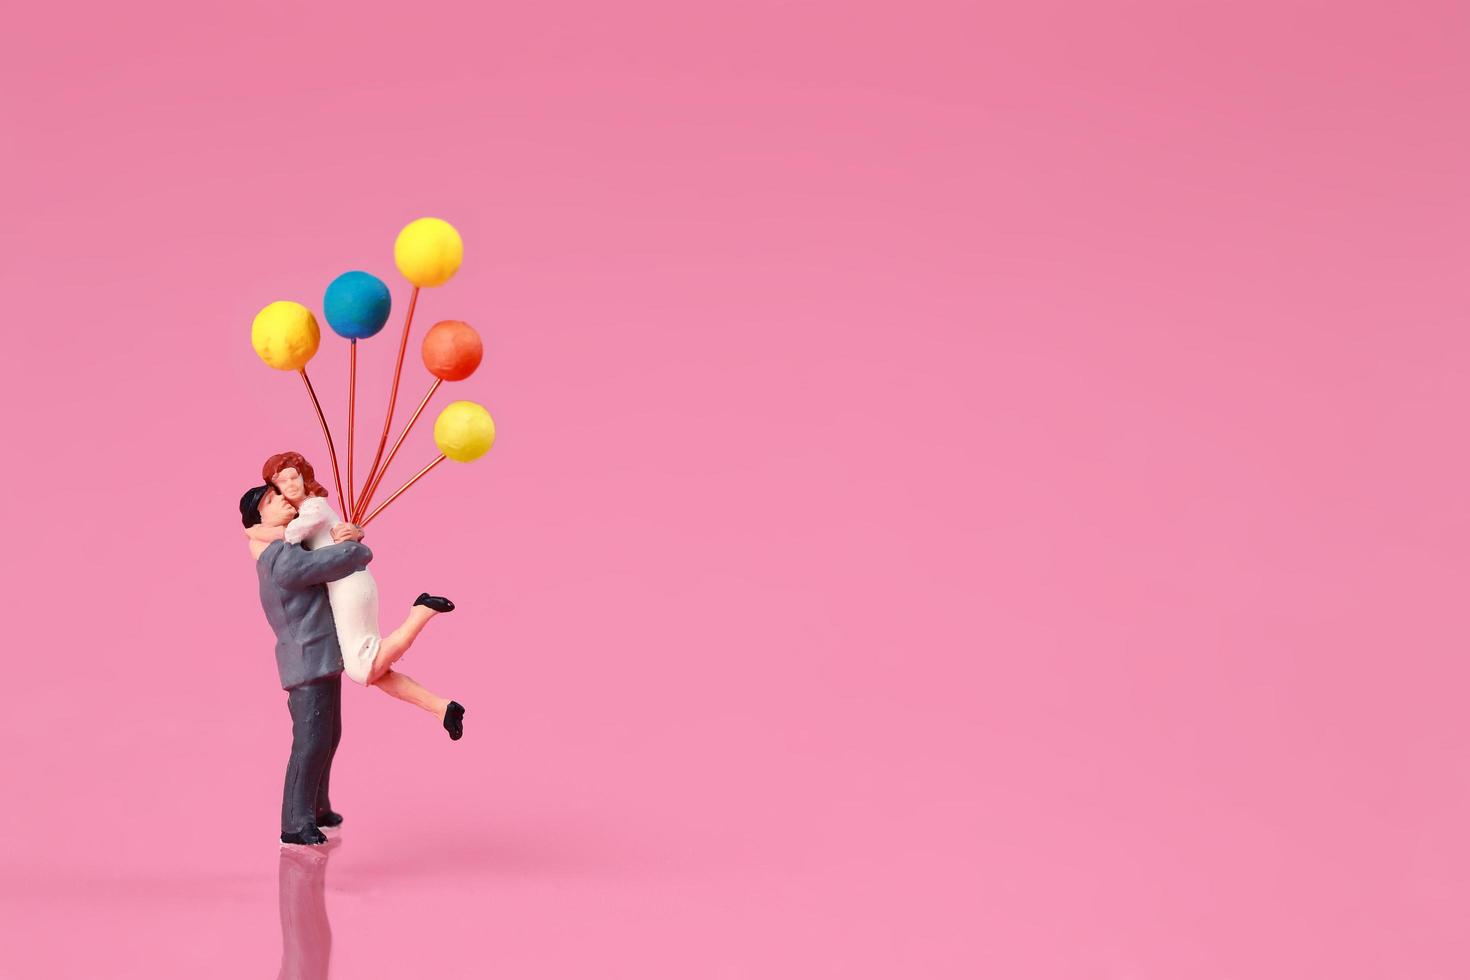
(367, 656)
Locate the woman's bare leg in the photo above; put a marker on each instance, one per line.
(396, 643)
(405, 688)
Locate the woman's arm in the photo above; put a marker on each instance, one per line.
(264, 533)
(313, 515)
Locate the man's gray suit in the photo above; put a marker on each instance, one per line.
(293, 592)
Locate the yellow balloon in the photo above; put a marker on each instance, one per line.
(464, 431)
(428, 251)
(285, 335)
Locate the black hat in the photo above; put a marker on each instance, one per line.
(250, 504)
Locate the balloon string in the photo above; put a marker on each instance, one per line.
(366, 496)
(336, 477)
(351, 415)
(365, 521)
(393, 395)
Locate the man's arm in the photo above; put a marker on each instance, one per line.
(297, 568)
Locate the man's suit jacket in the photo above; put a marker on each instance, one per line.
(294, 593)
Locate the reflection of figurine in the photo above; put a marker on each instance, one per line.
(367, 656)
(306, 933)
(294, 594)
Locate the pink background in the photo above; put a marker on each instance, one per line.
(979, 489)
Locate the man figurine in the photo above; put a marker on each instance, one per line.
(293, 592)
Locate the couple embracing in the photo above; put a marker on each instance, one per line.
(323, 605)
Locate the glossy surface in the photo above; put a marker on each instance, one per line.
(981, 489)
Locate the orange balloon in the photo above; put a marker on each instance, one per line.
(452, 350)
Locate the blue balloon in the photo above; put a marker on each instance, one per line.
(356, 305)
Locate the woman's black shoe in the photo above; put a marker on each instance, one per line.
(435, 602)
(454, 720)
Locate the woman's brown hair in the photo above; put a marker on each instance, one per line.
(281, 461)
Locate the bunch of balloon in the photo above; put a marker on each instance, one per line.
(427, 252)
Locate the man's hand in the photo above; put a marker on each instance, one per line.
(346, 532)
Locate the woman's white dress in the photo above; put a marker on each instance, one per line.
(354, 598)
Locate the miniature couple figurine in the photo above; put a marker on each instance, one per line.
(322, 604)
